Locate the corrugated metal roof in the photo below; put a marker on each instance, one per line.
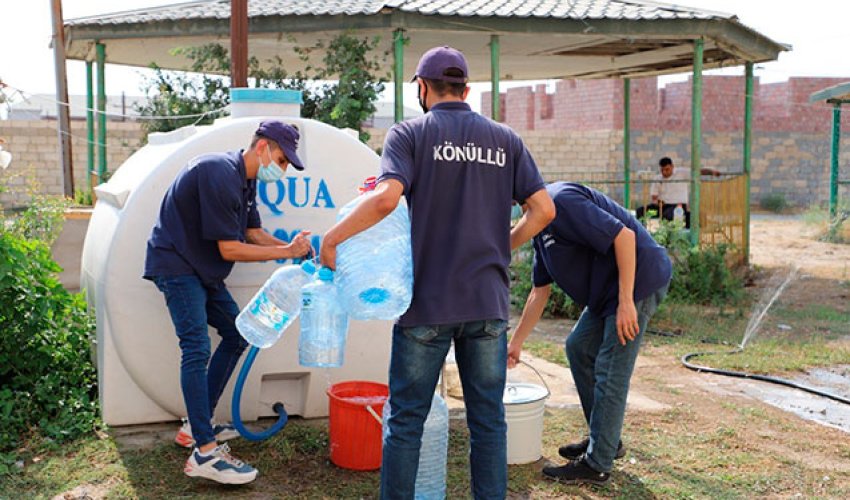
(559, 9)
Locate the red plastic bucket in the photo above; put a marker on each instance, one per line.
(355, 431)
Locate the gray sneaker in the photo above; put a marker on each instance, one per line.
(223, 432)
(219, 466)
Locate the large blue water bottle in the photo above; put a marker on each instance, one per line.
(324, 323)
(431, 474)
(374, 268)
(275, 306)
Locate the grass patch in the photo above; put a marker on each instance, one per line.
(550, 351)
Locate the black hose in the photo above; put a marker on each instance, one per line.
(753, 376)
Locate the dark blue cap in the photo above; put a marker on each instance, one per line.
(286, 136)
(434, 64)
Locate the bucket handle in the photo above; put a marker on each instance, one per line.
(548, 392)
(375, 415)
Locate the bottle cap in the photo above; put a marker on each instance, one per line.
(369, 184)
(326, 274)
(309, 267)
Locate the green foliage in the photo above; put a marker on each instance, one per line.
(42, 220)
(83, 197)
(774, 202)
(47, 377)
(700, 275)
(340, 91)
(560, 305)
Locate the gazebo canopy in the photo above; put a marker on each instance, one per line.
(836, 94)
(540, 39)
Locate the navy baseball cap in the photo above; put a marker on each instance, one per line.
(434, 64)
(286, 136)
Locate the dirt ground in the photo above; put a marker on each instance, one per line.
(777, 240)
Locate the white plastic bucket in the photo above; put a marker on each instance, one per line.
(524, 407)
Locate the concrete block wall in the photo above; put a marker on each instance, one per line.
(36, 164)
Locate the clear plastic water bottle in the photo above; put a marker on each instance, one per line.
(374, 268)
(679, 214)
(431, 474)
(275, 306)
(324, 323)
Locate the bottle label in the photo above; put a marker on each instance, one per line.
(267, 313)
(306, 300)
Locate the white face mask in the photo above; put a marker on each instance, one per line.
(271, 172)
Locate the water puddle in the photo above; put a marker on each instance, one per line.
(835, 380)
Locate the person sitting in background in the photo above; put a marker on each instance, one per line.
(671, 189)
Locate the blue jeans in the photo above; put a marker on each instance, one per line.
(192, 307)
(417, 356)
(602, 369)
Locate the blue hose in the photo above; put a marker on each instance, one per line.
(237, 397)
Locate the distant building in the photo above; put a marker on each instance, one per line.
(43, 107)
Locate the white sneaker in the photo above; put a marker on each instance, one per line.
(223, 432)
(219, 466)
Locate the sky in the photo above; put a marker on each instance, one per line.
(818, 30)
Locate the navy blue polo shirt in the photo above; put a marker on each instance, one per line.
(210, 200)
(460, 172)
(576, 250)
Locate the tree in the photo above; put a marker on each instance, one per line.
(341, 90)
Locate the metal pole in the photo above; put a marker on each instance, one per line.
(696, 140)
(63, 115)
(833, 173)
(398, 77)
(238, 43)
(627, 174)
(100, 51)
(748, 144)
(494, 76)
(90, 172)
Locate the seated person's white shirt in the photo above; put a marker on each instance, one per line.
(672, 193)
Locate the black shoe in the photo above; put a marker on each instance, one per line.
(575, 451)
(576, 472)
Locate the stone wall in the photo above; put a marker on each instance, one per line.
(792, 163)
(36, 163)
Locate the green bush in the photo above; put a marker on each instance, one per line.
(560, 305)
(774, 202)
(700, 275)
(47, 377)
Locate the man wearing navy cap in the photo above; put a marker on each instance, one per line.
(209, 220)
(460, 173)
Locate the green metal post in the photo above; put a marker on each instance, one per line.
(90, 122)
(833, 172)
(747, 146)
(398, 77)
(627, 164)
(101, 108)
(494, 75)
(696, 140)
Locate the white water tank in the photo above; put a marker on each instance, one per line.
(137, 353)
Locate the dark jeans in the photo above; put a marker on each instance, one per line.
(602, 369)
(417, 356)
(192, 307)
(666, 212)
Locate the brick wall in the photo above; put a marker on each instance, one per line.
(34, 145)
(598, 105)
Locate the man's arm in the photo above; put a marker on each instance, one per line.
(531, 313)
(710, 171)
(271, 249)
(625, 250)
(540, 212)
(365, 215)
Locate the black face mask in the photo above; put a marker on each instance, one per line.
(421, 96)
